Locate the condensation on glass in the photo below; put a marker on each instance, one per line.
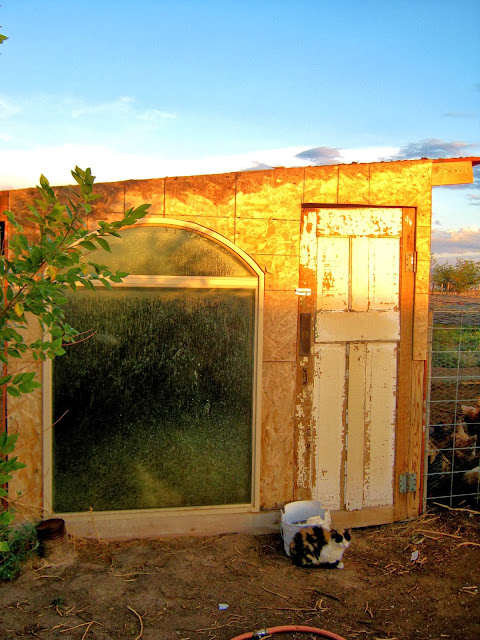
(155, 409)
(171, 251)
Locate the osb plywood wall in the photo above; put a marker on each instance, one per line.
(260, 212)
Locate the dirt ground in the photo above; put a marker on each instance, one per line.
(171, 588)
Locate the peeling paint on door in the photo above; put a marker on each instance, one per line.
(357, 330)
(329, 420)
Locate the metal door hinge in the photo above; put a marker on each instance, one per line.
(408, 482)
(411, 261)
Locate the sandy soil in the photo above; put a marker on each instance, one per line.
(171, 588)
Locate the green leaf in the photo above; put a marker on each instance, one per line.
(22, 241)
(44, 182)
(27, 386)
(64, 260)
(104, 244)
(76, 176)
(14, 392)
(88, 245)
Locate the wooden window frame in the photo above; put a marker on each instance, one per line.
(164, 518)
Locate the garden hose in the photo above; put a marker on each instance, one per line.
(264, 633)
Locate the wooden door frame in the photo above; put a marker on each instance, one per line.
(410, 377)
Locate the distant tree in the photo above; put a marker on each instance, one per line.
(464, 275)
(441, 275)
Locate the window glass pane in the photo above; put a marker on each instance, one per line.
(170, 251)
(157, 404)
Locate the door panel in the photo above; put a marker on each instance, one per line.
(357, 331)
(333, 268)
(383, 276)
(328, 414)
(380, 409)
(351, 327)
(364, 221)
(355, 445)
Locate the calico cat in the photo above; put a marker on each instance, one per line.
(314, 546)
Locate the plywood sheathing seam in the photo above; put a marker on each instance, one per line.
(152, 191)
(321, 185)
(275, 194)
(280, 326)
(111, 206)
(26, 487)
(277, 454)
(201, 196)
(281, 272)
(354, 184)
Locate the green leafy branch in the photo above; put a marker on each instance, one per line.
(7, 466)
(37, 271)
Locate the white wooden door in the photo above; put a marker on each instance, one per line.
(357, 333)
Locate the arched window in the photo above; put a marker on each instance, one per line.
(157, 408)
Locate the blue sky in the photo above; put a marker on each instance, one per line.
(151, 88)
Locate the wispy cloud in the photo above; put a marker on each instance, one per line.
(321, 155)
(336, 155)
(433, 148)
(258, 166)
(154, 115)
(9, 107)
(474, 199)
(476, 177)
(122, 106)
(464, 243)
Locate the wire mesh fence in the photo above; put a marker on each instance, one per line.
(453, 409)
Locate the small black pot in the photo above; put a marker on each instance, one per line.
(53, 540)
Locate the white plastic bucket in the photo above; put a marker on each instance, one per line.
(300, 514)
